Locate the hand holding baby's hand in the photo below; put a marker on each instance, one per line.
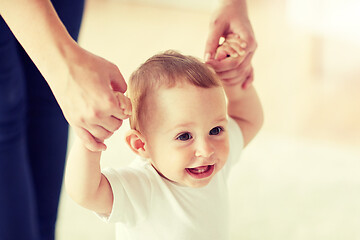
(231, 63)
(124, 104)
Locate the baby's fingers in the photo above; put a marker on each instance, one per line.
(225, 51)
(125, 105)
(238, 45)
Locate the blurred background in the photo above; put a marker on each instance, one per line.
(299, 178)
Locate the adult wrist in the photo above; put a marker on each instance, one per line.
(233, 1)
(57, 69)
(238, 4)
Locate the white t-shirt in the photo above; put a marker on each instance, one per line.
(147, 206)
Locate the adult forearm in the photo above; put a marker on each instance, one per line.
(78, 79)
(38, 28)
(234, 1)
(240, 4)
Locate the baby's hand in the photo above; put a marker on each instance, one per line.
(125, 105)
(231, 63)
(232, 46)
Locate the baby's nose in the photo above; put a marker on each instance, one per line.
(204, 149)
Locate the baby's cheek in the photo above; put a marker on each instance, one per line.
(226, 148)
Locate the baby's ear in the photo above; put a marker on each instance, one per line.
(136, 142)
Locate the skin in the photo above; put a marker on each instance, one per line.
(83, 179)
(87, 186)
(231, 19)
(79, 79)
(232, 50)
(201, 140)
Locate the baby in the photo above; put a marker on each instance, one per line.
(187, 138)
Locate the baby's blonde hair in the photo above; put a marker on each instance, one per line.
(165, 70)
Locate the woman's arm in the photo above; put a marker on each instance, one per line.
(78, 79)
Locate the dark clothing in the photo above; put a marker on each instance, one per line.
(33, 138)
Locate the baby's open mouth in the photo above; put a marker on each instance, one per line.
(201, 172)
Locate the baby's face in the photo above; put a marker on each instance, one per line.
(186, 136)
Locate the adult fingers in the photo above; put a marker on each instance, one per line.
(217, 29)
(232, 73)
(247, 60)
(121, 109)
(89, 141)
(249, 80)
(239, 74)
(117, 80)
(118, 111)
(239, 79)
(99, 132)
(226, 64)
(249, 38)
(111, 124)
(125, 105)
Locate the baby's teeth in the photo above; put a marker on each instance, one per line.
(199, 170)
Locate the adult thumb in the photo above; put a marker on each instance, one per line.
(216, 31)
(118, 83)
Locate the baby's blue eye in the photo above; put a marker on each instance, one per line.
(216, 131)
(184, 137)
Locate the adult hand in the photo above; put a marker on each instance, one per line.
(83, 84)
(228, 53)
(232, 18)
(87, 97)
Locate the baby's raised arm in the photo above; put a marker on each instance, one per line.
(83, 179)
(245, 108)
(243, 102)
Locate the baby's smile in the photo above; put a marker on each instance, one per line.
(201, 172)
(191, 122)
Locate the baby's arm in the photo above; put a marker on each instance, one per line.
(245, 108)
(83, 179)
(243, 103)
